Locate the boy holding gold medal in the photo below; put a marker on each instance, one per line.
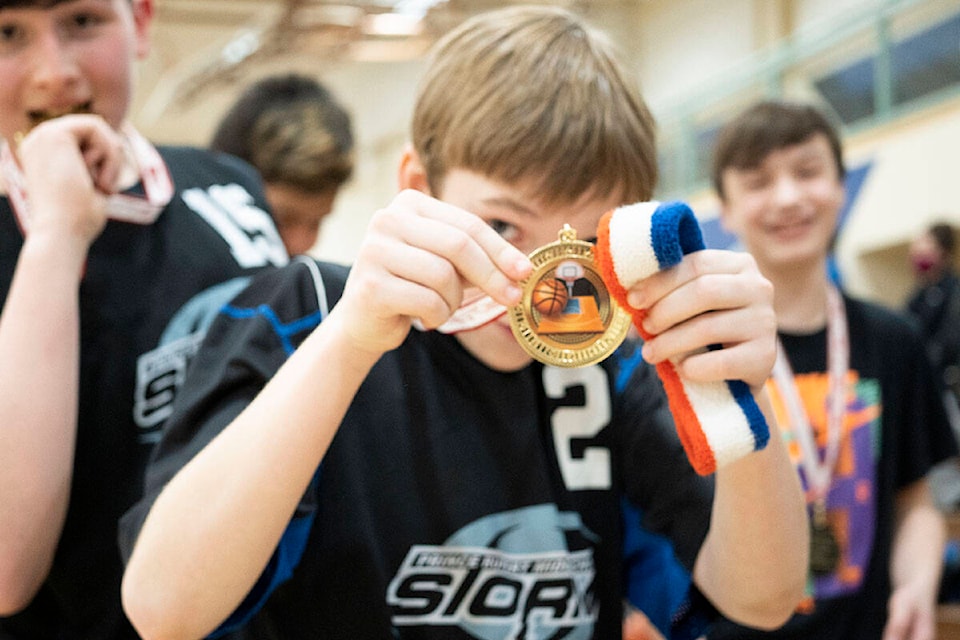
(372, 453)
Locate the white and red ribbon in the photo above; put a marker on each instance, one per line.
(154, 177)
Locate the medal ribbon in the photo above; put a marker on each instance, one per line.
(476, 310)
(157, 185)
(718, 422)
(819, 472)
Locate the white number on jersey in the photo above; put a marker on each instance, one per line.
(592, 469)
(248, 229)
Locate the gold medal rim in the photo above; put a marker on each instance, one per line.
(522, 319)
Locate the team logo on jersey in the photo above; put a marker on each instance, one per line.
(160, 373)
(509, 575)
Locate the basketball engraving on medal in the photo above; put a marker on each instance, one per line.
(824, 548)
(566, 316)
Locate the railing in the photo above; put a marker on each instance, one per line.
(874, 66)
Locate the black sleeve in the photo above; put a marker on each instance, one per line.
(675, 501)
(248, 341)
(925, 436)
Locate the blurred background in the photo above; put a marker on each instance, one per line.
(887, 70)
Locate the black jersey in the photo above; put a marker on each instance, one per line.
(136, 277)
(894, 431)
(455, 501)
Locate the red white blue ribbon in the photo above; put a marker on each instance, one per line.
(718, 422)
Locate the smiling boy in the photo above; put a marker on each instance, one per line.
(102, 238)
(878, 542)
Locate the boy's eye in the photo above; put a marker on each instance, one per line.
(809, 170)
(9, 33)
(754, 181)
(506, 230)
(83, 20)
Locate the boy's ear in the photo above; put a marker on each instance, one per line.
(724, 218)
(724, 210)
(142, 18)
(411, 173)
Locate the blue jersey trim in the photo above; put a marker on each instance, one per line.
(293, 542)
(656, 582)
(284, 331)
(627, 362)
(285, 559)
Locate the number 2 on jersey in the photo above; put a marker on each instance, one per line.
(591, 469)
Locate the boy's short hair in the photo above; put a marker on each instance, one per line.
(767, 126)
(943, 235)
(533, 93)
(40, 4)
(292, 130)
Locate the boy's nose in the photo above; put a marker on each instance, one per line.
(786, 191)
(300, 238)
(53, 62)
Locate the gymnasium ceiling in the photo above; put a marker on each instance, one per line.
(204, 50)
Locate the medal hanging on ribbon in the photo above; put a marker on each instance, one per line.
(154, 178)
(825, 550)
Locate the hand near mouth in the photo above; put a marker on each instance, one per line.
(70, 164)
(39, 116)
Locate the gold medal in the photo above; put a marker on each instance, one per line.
(566, 316)
(824, 549)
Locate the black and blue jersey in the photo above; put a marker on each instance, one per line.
(455, 501)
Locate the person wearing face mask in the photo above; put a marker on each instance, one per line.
(935, 304)
(935, 301)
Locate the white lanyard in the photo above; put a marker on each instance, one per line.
(157, 185)
(819, 472)
(476, 310)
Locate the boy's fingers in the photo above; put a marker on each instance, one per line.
(704, 282)
(98, 146)
(479, 255)
(718, 292)
(423, 269)
(104, 155)
(749, 361)
(711, 298)
(649, 291)
(505, 256)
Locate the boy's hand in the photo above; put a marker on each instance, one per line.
(710, 297)
(70, 165)
(416, 259)
(910, 615)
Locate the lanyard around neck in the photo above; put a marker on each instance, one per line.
(819, 471)
(157, 185)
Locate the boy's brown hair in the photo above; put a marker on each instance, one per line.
(292, 130)
(767, 126)
(533, 93)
